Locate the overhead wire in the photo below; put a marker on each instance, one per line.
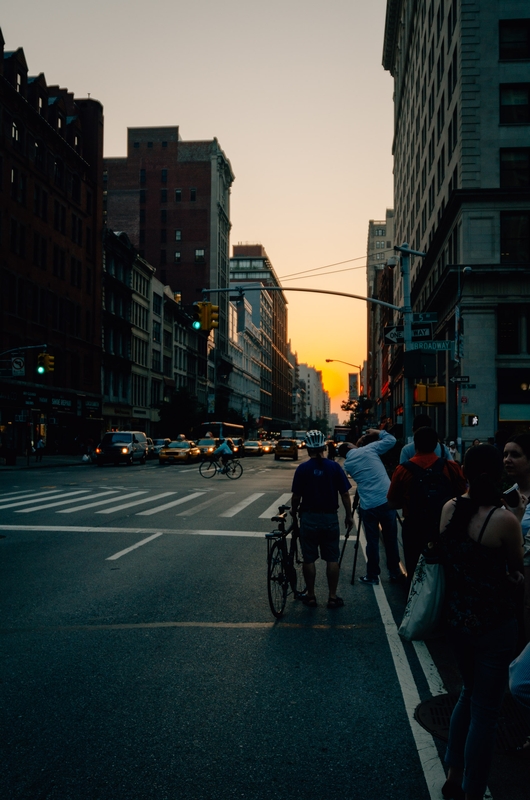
(326, 266)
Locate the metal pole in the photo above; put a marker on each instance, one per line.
(407, 341)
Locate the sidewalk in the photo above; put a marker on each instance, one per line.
(46, 463)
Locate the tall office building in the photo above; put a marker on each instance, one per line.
(250, 264)
(51, 163)
(462, 177)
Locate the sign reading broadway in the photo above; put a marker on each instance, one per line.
(443, 344)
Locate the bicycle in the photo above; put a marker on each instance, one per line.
(211, 467)
(284, 564)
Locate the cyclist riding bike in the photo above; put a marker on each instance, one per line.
(224, 450)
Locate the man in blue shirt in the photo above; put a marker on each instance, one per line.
(317, 485)
(364, 465)
(225, 451)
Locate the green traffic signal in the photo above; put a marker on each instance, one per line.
(197, 311)
(41, 363)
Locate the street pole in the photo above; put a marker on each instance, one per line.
(406, 253)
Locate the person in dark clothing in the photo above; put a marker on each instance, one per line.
(317, 485)
(422, 505)
(481, 550)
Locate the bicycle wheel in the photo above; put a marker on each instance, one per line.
(234, 470)
(296, 575)
(277, 579)
(208, 469)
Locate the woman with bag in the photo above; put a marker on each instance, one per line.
(481, 550)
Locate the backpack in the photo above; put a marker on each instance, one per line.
(430, 490)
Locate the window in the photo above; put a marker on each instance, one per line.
(163, 257)
(157, 335)
(155, 360)
(142, 215)
(136, 144)
(163, 176)
(163, 195)
(142, 195)
(177, 257)
(142, 176)
(157, 304)
(193, 194)
(452, 133)
(163, 216)
(164, 144)
(149, 144)
(514, 102)
(508, 342)
(199, 255)
(178, 195)
(515, 168)
(514, 39)
(163, 235)
(178, 236)
(515, 237)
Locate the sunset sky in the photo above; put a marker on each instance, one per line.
(296, 95)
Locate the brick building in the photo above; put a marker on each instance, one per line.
(51, 163)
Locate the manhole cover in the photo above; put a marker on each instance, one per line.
(435, 714)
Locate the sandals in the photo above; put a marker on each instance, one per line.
(335, 602)
(310, 602)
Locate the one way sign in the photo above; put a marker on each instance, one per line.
(395, 334)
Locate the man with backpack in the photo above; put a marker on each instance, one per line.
(421, 486)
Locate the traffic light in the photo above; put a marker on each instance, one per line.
(213, 321)
(198, 316)
(420, 393)
(41, 363)
(435, 394)
(49, 362)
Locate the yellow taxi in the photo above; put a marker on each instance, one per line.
(286, 448)
(179, 452)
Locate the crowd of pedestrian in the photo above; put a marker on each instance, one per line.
(482, 539)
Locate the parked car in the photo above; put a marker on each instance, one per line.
(286, 448)
(129, 447)
(252, 447)
(178, 452)
(150, 448)
(159, 444)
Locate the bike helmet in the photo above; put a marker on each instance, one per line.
(315, 440)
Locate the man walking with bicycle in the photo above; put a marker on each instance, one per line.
(317, 485)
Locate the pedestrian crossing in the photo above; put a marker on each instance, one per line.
(143, 503)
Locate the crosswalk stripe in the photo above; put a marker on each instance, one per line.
(283, 499)
(200, 506)
(178, 502)
(34, 499)
(13, 495)
(100, 502)
(52, 505)
(134, 503)
(231, 512)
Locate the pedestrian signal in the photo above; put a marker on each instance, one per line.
(469, 420)
(213, 321)
(420, 393)
(41, 363)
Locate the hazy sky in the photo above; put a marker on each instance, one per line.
(296, 95)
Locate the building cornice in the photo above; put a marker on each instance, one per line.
(393, 13)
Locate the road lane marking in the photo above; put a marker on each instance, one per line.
(201, 506)
(49, 504)
(34, 499)
(58, 503)
(96, 529)
(178, 502)
(231, 512)
(133, 547)
(284, 499)
(100, 502)
(134, 503)
(278, 625)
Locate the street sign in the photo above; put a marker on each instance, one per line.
(395, 334)
(460, 379)
(425, 316)
(18, 365)
(444, 344)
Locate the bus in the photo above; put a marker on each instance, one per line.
(220, 430)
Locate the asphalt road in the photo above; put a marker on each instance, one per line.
(140, 659)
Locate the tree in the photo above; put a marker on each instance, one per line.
(359, 413)
(182, 414)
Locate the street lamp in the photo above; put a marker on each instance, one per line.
(329, 360)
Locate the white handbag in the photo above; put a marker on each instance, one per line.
(425, 601)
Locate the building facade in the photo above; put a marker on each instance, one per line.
(462, 178)
(250, 264)
(51, 166)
